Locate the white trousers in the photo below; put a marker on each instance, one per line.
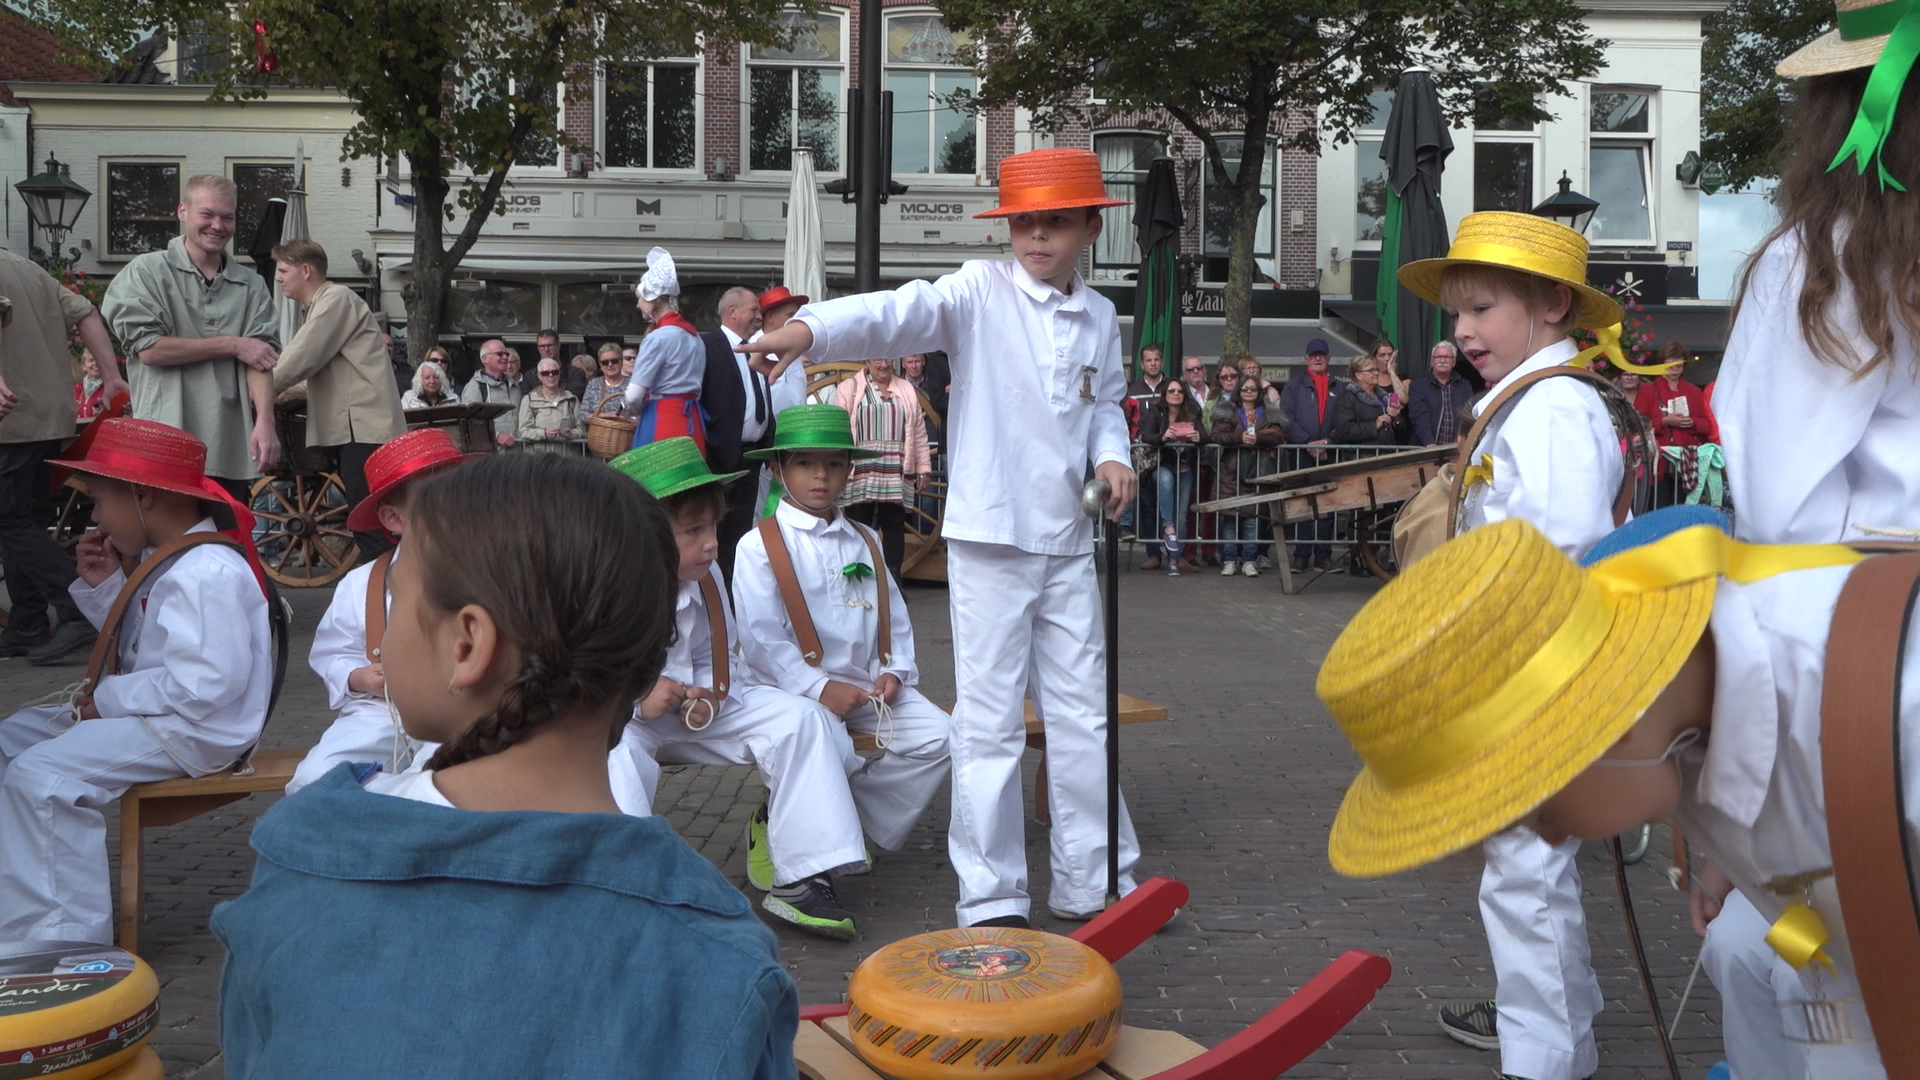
(363, 733)
(53, 838)
(1022, 620)
(1759, 994)
(804, 756)
(892, 790)
(1537, 931)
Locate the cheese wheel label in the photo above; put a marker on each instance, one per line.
(56, 981)
(981, 961)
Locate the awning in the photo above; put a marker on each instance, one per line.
(1272, 341)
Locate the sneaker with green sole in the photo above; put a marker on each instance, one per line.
(759, 858)
(809, 904)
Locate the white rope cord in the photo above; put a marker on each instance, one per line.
(686, 713)
(883, 713)
(1684, 994)
(67, 699)
(1890, 530)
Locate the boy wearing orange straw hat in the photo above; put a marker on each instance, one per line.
(179, 684)
(1037, 392)
(1681, 674)
(346, 644)
(1550, 455)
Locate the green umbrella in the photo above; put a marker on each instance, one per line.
(1414, 227)
(1156, 305)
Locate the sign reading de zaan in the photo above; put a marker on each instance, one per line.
(933, 210)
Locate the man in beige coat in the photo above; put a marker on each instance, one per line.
(352, 404)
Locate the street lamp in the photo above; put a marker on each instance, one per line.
(1569, 207)
(54, 202)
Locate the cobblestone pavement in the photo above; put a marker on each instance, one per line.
(1233, 797)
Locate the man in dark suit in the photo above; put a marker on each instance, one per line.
(739, 412)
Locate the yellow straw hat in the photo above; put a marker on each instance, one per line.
(1525, 242)
(1852, 43)
(1470, 712)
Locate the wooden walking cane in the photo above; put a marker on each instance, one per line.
(1094, 500)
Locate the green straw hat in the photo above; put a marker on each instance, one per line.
(670, 466)
(812, 427)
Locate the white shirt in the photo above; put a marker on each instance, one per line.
(842, 608)
(751, 427)
(340, 645)
(1755, 795)
(1556, 458)
(1020, 432)
(417, 786)
(196, 657)
(690, 657)
(1812, 452)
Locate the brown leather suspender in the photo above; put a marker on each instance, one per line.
(377, 605)
(105, 660)
(716, 635)
(1866, 822)
(796, 602)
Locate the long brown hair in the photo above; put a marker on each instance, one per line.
(1847, 226)
(581, 581)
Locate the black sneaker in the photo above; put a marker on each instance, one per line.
(810, 905)
(72, 636)
(1018, 922)
(1477, 1025)
(12, 644)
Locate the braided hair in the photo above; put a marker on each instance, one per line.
(582, 585)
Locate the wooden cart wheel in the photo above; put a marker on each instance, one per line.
(1378, 559)
(1376, 550)
(300, 528)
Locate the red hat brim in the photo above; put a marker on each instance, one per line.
(796, 299)
(62, 467)
(365, 515)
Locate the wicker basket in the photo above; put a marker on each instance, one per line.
(609, 436)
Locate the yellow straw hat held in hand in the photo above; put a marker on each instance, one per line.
(1524, 243)
(1556, 669)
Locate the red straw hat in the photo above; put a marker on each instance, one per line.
(155, 455)
(776, 296)
(1050, 180)
(399, 460)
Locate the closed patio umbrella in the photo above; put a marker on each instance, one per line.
(1156, 294)
(1414, 227)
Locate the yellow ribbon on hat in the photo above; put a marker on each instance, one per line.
(1681, 557)
(1607, 344)
(1797, 935)
(1479, 474)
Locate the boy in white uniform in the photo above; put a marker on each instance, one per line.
(1552, 457)
(194, 675)
(863, 668)
(703, 711)
(365, 730)
(1037, 392)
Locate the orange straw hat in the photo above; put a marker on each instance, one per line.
(1050, 180)
(397, 461)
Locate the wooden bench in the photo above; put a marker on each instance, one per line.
(1133, 710)
(170, 802)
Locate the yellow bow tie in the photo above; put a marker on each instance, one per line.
(1479, 474)
(1797, 935)
(1607, 343)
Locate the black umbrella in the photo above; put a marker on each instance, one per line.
(1415, 150)
(1156, 294)
(267, 236)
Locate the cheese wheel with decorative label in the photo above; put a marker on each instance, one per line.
(73, 1011)
(984, 1002)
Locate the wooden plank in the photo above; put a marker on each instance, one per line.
(1142, 1052)
(820, 1057)
(836, 1026)
(1366, 491)
(1133, 710)
(1321, 473)
(271, 771)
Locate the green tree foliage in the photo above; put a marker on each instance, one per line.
(1745, 109)
(1242, 66)
(460, 89)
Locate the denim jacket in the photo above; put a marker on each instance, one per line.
(386, 938)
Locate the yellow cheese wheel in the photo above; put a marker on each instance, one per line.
(144, 1066)
(73, 1011)
(984, 1002)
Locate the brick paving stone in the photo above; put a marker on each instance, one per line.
(1233, 797)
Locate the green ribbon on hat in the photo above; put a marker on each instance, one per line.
(1873, 123)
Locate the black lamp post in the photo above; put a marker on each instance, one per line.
(54, 202)
(1569, 207)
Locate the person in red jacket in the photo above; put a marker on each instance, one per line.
(1677, 408)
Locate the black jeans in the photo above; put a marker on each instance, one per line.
(352, 459)
(38, 572)
(890, 520)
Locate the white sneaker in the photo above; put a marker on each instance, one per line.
(1228, 567)
(1247, 569)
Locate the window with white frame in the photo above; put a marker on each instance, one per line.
(649, 116)
(540, 150)
(923, 69)
(1620, 164)
(1370, 171)
(1125, 157)
(795, 94)
(255, 184)
(1506, 152)
(1218, 213)
(142, 197)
